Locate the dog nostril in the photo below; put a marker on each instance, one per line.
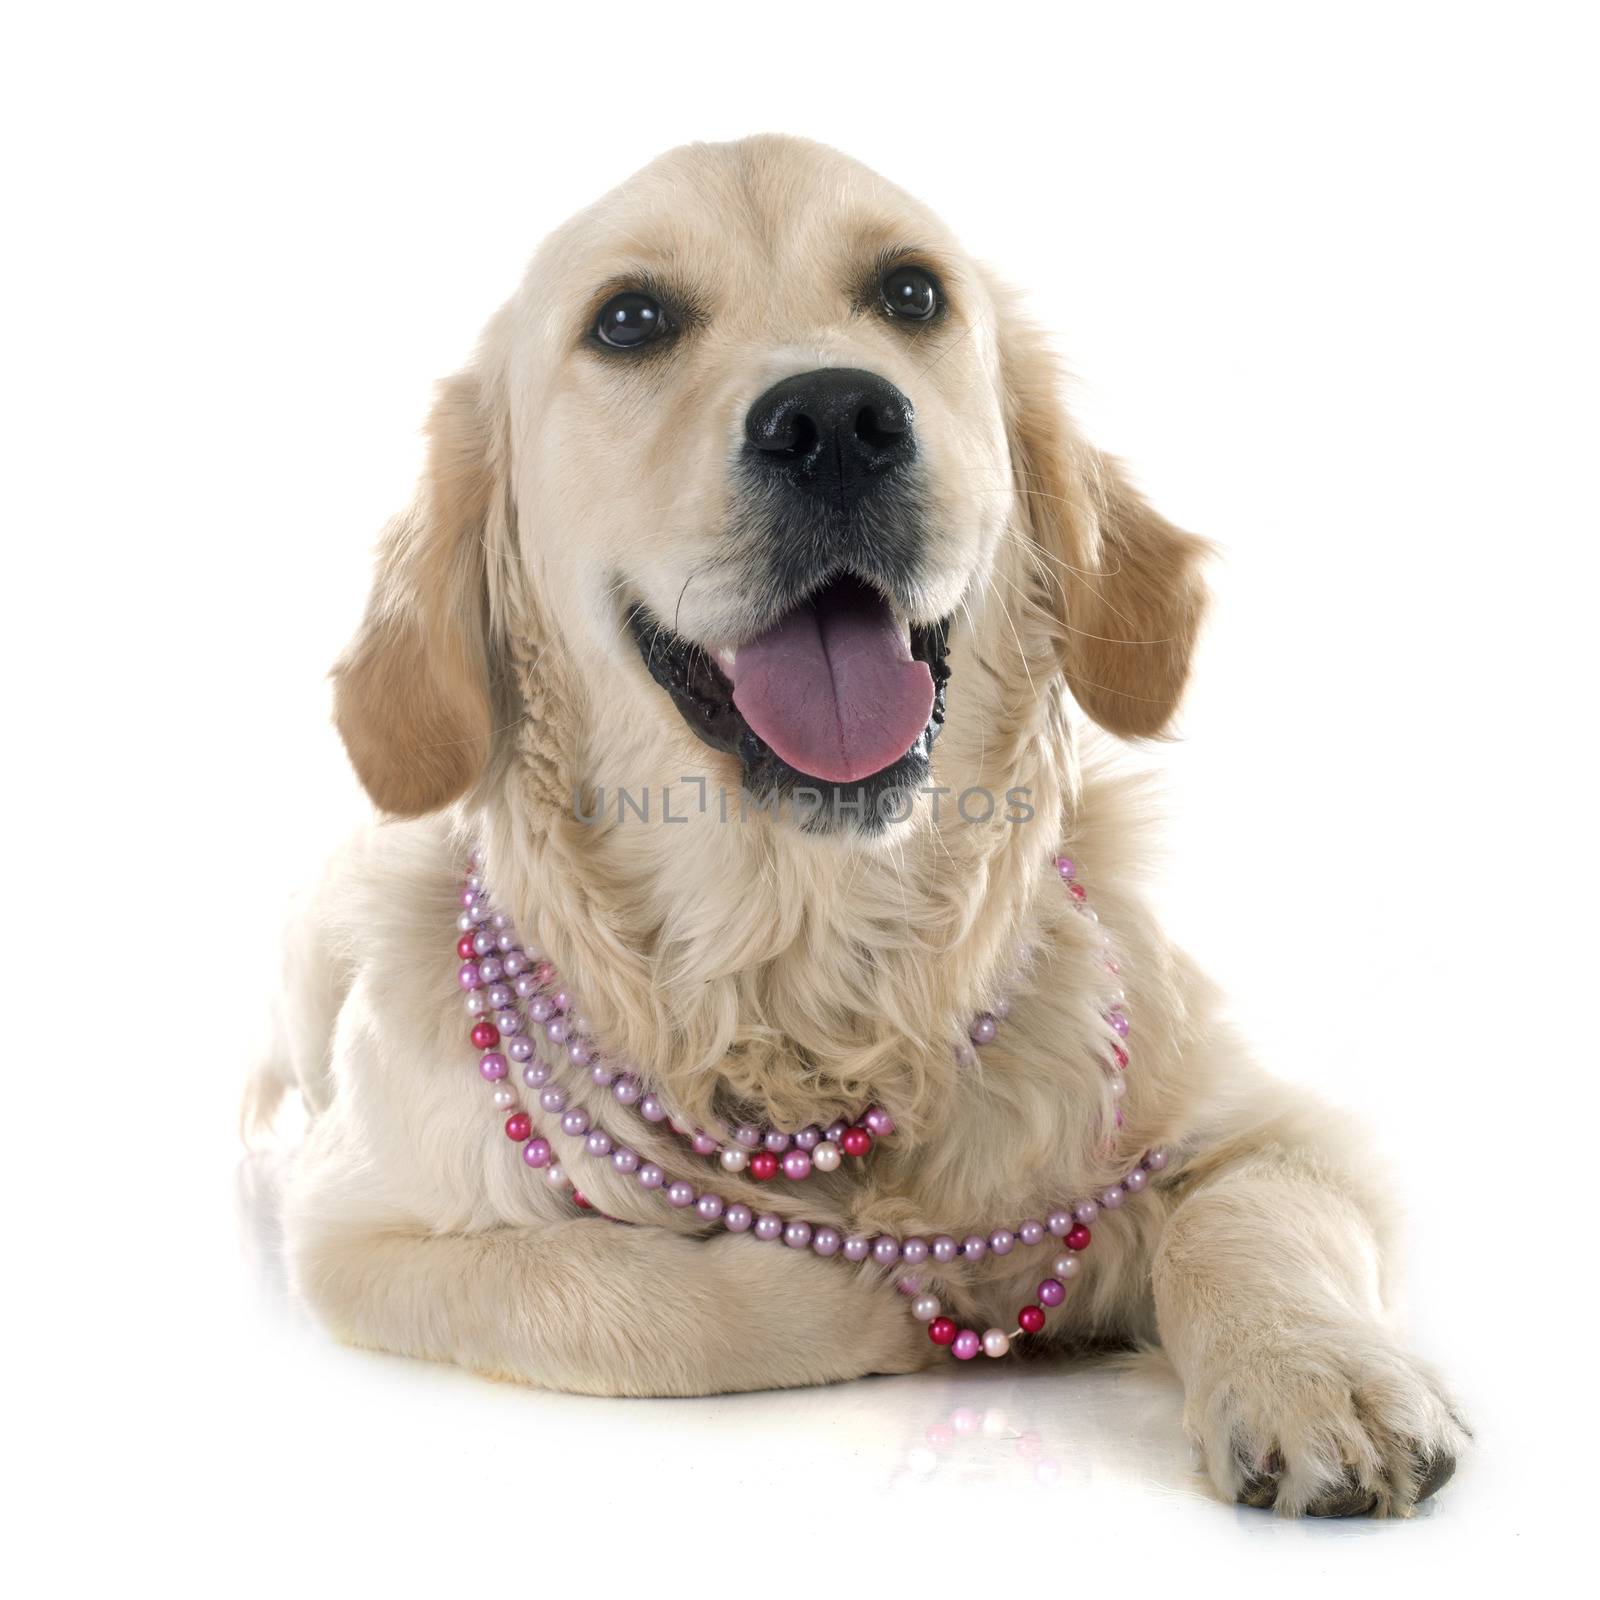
(882, 427)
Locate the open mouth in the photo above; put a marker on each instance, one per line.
(836, 691)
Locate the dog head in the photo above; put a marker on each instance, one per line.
(752, 443)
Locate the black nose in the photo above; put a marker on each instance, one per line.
(838, 431)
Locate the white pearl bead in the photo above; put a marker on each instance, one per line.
(995, 1343)
(1064, 1267)
(826, 1156)
(504, 1099)
(555, 1175)
(734, 1159)
(925, 1307)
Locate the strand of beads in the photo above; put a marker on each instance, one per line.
(985, 1026)
(1069, 1224)
(497, 972)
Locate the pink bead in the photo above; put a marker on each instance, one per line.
(796, 1166)
(1119, 1022)
(1051, 1292)
(493, 1067)
(536, 1152)
(878, 1122)
(1067, 868)
(704, 1145)
(966, 1345)
(468, 977)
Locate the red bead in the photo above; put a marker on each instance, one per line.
(1077, 891)
(1120, 1054)
(485, 1035)
(464, 948)
(1030, 1319)
(1077, 1237)
(764, 1166)
(581, 1201)
(518, 1126)
(855, 1141)
(942, 1330)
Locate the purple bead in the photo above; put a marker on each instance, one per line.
(651, 1176)
(469, 977)
(580, 1052)
(914, 1252)
(626, 1091)
(1051, 1292)
(1001, 1241)
(1136, 1180)
(974, 1248)
(469, 897)
(966, 1345)
(508, 1022)
(1156, 1161)
(703, 1144)
(505, 941)
(561, 1000)
(536, 1152)
(1067, 868)
(1031, 1231)
(556, 1030)
(1086, 1211)
(540, 1010)
(625, 1160)
(490, 970)
(885, 1250)
(515, 962)
(499, 996)
(776, 1142)
(553, 1099)
(826, 1241)
(836, 1130)
(520, 1048)
(1002, 1007)
(1059, 1222)
(525, 987)
(575, 1123)
(878, 1122)
(747, 1134)
(857, 1247)
(768, 1227)
(966, 1056)
(681, 1194)
(602, 1075)
(797, 1235)
(709, 1207)
(808, 1138)
(983, 1029)
(598, 1143)
(483, 943)
(1119, 1023)
(1113, 1197)
(493, 1067)
(909, 1286)
(796, 1166)
(737, 1218)
(944, 1249)
(535, 1073)
(651, 1109)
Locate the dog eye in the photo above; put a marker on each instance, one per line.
(629, 320)
(911, 293)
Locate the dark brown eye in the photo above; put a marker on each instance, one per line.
(629, 320)
(911, 293)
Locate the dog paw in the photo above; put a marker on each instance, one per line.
(1346, 1427)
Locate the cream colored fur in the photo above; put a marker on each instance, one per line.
(747, 963)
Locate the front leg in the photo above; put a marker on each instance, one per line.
(599, 1308)
(1267, 1295)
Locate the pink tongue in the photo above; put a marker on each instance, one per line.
(832, 687)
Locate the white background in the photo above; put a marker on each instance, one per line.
(1326, 278)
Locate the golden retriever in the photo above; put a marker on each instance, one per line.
(736, 625)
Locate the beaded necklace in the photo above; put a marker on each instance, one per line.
(513, 992)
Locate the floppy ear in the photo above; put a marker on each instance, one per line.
(411, 691)
(1120, 581)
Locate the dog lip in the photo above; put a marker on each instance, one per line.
(695, 678)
